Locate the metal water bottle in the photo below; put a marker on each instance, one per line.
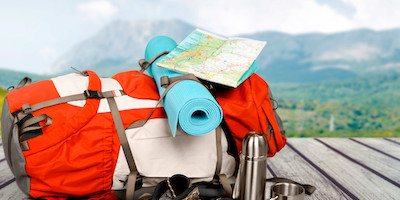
(251, 178)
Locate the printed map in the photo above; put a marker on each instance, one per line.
(213, 58)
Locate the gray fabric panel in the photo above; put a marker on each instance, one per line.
(280, 123)
(19, 162)
(12, 150)
(7, 121)
(277, 117)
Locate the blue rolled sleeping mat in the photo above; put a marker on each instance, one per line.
(188, 103)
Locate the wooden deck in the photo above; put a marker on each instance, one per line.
(355, 168)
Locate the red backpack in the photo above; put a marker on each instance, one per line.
(250, 107)
(78, 136)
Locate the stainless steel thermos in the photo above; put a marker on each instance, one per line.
(250, 182)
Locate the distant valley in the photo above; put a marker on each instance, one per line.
(352, 78)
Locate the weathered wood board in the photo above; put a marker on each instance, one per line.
(289, 164)
(8, 186)
(360, 182)
(340, 168)
(383, 145)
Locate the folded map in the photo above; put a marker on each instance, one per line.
(214, 58)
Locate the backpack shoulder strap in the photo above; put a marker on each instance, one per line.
(219, 177)
(130, 188)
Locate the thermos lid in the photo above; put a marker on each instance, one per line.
(255, 145)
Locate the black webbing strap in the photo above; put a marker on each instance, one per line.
(144, 64)
(27, 125)
(130, 187)
(24, 146)
(32, 125)
(309, 189)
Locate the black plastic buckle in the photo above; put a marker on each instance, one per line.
(91, 94)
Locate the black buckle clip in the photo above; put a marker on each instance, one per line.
(91, 94)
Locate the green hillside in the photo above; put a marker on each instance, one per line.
(382, 90)
(313, 119)
(366, 106)
(11, 77)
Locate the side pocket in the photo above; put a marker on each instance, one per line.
(12, 150)
(277, 139)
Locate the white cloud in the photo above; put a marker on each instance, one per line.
(376, 14)
(357, 52)
(321, 67)
(98, 9)
(48, 53)
(395, 66)
(231, 17)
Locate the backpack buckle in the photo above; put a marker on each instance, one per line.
(91, 94)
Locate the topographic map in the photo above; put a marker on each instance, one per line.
(213, 58)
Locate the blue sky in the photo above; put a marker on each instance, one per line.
(34, 34)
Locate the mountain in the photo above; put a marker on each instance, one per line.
(300, 58)
(118, 46)
(317, 57)
(11, 78)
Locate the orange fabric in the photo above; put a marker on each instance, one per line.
(137, 85)
(70, 125)
(77, 153)
(32, 94)
(248, 108)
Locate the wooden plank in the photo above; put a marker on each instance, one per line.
(11, 191)
(5, 175)
(8, 186)
(2, 156)
(381, 165)
(393, 140)
(287, 163)
(360, 181)
(381, 146)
